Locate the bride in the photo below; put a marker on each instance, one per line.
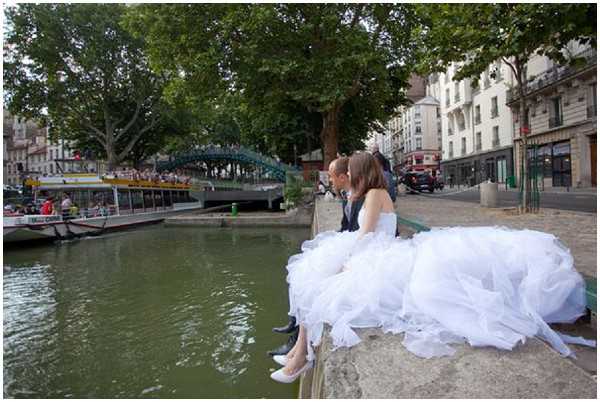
(488, 286)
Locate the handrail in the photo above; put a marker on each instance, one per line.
(415, 225)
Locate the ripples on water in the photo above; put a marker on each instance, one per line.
(161, 312)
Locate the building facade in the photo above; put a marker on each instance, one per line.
(561, 125)
(30, 152)
(476, 126)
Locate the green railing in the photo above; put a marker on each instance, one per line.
(235, 154)
(412, 224)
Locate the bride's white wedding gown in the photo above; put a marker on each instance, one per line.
(490, 286)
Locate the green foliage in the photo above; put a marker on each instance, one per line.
(292, 192)
(74, 68)
(285, 62)
(477, 35)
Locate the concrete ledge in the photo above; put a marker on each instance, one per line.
(380, 366)
(299, 218)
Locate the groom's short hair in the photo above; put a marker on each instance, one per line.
(341, 165)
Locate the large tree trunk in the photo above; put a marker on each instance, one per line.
(329, 135)
(111, 153)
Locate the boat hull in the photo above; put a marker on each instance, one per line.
(18, 233)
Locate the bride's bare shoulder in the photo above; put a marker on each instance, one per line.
(375, 195)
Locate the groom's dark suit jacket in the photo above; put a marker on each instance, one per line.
(351, 223)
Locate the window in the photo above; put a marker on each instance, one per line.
(417, 111)
(419, 143)
(592, 105)
(478, 141)
(495, 136)
(418, 129)
(447, 76)
(498, 71)
(494, 106)
(447, 97)
(456, 92)
(438, 115)
(450, 149)
(477, 114)
(463, 146)
(555, 112)
(486, 79)
(461, 122)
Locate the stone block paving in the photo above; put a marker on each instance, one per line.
(577, 230)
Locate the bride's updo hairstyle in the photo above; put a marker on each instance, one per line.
(365, 174)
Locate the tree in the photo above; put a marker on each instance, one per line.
(321, 56)
(74, 68)
(476, 36)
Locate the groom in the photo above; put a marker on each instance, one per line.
(340, 182)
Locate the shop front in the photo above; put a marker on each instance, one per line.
(496, 166)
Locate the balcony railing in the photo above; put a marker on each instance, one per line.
(555, 121)
(478, 146)
(463, 151)
(496, 142)
(450, 154)
(553, 75)
(591, 112)
(457, 98)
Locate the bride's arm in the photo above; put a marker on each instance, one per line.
(372, 210)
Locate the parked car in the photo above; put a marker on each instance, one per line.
(419, 181)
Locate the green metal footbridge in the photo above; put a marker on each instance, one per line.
(240, 155)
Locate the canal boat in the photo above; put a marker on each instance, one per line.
(100, 204)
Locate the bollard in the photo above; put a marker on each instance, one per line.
(489, 195)
(234, 209)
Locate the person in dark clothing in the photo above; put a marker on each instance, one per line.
(387, 167)
(340, 182)
(388, 176)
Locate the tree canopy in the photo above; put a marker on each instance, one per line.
(75, 68)
(319, 57)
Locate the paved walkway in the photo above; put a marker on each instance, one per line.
(577, 230)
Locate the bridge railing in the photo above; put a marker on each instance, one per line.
(278, 167)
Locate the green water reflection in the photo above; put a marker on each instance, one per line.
(160, 312)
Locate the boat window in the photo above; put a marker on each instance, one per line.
(138, 201)
(167, 196)
(124, 206)
(148, 200)
(158, 198)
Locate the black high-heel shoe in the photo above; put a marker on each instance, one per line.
(285, 348)
(287, 329)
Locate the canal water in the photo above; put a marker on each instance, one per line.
(158, 312)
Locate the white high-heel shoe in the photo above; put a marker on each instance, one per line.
(280, 359)
(280, 376)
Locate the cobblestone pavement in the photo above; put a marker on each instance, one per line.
(577, 230)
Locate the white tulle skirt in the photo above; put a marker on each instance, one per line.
(487, 286)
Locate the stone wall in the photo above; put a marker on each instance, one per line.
(380, 367)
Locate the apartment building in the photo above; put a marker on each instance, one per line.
(561, 125)
(476, 125)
